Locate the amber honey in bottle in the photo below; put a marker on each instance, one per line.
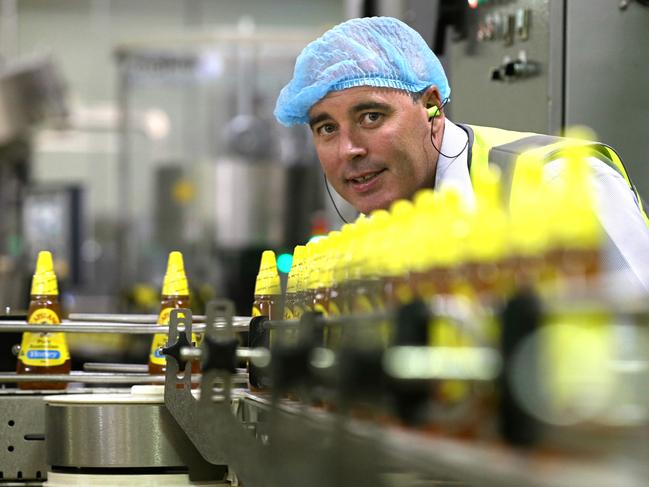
(268, 297)
(175, 295)
(268, 291)
(44, 353)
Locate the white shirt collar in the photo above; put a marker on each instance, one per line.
(454, 170)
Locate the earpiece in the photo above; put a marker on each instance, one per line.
(432, 112)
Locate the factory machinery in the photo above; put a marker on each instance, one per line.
(357, 413)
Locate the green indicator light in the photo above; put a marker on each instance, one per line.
(284, 262)
(315, 238)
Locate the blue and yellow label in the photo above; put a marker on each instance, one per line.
(155, 355)
(44, 349)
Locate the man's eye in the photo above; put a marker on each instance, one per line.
(371, 117)
(326, 129)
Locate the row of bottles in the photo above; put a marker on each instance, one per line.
(547, 236)
(542, 235)
(48, 353)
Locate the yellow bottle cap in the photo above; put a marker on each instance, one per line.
(577, 225)
(175, 280)
(342, 256)
(396, 260)
(331, 257)
(298, 260)
(44, 281)
(453, 229)
(531, 207)
(424, 198)
(268, 279)
(316, 251)
(488, 229)
(401, 208)
(375, 243)
(357, 257)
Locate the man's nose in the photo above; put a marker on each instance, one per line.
(352, 145)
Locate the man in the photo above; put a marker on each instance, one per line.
(374, 93)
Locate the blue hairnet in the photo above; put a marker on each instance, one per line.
(376, 51)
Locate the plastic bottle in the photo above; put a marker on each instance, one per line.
(398, 287)
(439, 275)
(487, 243)
(362, 300)
(44, 353)
(444, 252)
(293, 308)
(318, 293)
(577, 253)
(530, 224)
(333, 278)
(374, 249)
(268, 291)
(175, 294)
(341, 274)
(426, 220)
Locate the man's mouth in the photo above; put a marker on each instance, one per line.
(364, 178)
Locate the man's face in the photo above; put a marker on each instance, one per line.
(374, 145)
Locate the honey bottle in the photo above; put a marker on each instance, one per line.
(44, 353)
(531, 235)
(268, 291)
(577, 255)
(398, 284)
(175, 294)
(318, 292)
(293, 305)
(487, 242)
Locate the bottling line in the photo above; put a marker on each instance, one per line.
(558, 397)
(304, 413)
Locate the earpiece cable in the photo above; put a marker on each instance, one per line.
(332, 199)
(432, 138)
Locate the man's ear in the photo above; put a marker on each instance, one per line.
(432, 97)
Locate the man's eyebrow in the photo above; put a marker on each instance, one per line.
(369, 105)
(319, 118)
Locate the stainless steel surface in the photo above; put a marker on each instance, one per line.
(247, 208)
(606, 59)
(525, 104)
(435, 456)
(588, 50)
(22, 434)
(273, 441)
(100, 378)
(201, 418)
(114, 435)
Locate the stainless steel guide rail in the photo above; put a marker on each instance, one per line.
(100, 378)
(110, 323)
(96, 327)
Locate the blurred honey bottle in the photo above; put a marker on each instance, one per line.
(175, 295)
(268, 290)
(294, 302)
(44, 353)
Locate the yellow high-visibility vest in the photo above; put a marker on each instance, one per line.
(502, 148)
